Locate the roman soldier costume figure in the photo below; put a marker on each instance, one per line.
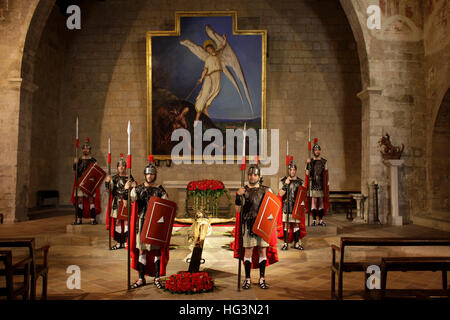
(88, 206)
(116, 186)
(317, 177)
(289, 227)
(257, 252)
(147, 259)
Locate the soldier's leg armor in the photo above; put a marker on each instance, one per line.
(157, 262)
(262, 266)
(286, 232)
(247, 266)
(141, 265)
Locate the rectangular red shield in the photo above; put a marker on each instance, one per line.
(158, 222)
(267, 216)
(300, 203)
(122, 212)
(91, 179)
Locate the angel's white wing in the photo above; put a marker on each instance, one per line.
(230, 59)
(195, 49)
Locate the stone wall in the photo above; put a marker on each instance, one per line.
(48, 73)
(14, 22)
(394, 103)
(437, 78)
(312, 73)
(441, 162)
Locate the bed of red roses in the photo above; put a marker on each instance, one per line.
(203, 185)
(188, 283)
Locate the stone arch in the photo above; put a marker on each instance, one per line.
(439, 164)
(31, 43)
(360, 38)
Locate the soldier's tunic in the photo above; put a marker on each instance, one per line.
(252, 201)
(83, 164)
(316, 169)
(292, 189)
(117, 188)
(142, 195)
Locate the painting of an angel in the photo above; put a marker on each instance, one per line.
(209, 73)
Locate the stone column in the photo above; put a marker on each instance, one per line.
(359, 213)
(373, 120)
(393, 165)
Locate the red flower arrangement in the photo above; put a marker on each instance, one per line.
(203, 185)
(186, 282)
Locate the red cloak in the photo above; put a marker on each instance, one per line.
(326, 196)
(272, 252)
(280, 229)
(134, 254)
(86, 203)
(108, 213)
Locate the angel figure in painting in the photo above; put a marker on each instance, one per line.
(218, 57)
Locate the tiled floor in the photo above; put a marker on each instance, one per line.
(298, 274)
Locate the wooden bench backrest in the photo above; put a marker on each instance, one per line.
(364, 241)
(357, 241)
(19, 243)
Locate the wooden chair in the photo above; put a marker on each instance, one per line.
(11, 291)
(37, 269)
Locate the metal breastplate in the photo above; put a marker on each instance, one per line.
(253, 199)
(83, 164)
(316, 174)
(118, 189)
(292, 190)
(145, 193)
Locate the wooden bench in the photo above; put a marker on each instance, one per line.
(37, 269)
(11, 291)
(343, 199)
(42, 195)
(340, 267)
(415, 264)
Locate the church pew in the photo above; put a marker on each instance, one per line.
(13, 290)
(343, 199)
(37, 269)
(415, 264)
(338, 268)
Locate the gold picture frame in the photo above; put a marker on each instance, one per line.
(177, 32)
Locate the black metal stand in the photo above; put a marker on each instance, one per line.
(377, 220)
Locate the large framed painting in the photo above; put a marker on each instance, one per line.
(205, 72)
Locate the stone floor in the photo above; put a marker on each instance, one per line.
(298, 274)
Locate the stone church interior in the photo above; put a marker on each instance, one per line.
(227, 149)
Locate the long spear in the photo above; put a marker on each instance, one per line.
(129, 200)
(76, 168)
(309, 156)
(109, 189)
(240, 242)
(287, 195)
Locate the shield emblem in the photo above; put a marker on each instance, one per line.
(300, 203)
(122, 212)
(91, 179)
(158, 223)
(267, 216)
